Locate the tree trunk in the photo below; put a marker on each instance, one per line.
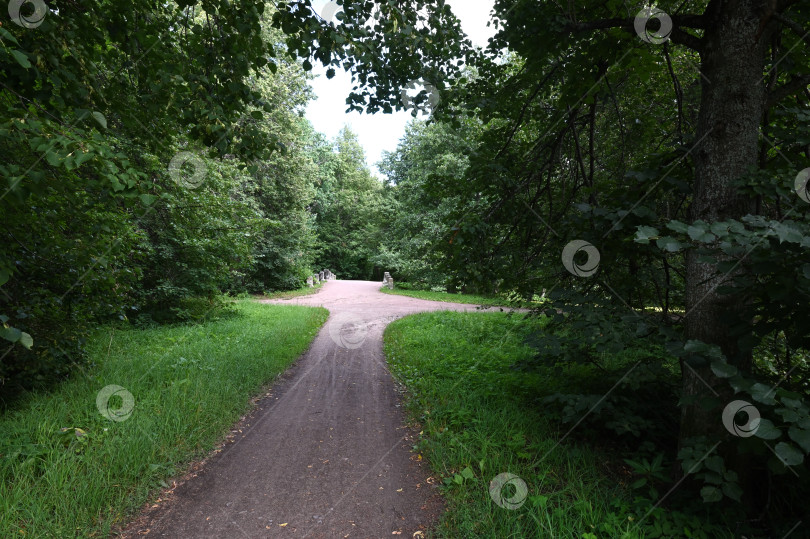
(731, 108)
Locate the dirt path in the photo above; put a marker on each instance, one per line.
(325, 454)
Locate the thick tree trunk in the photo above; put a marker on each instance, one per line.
(732, 102)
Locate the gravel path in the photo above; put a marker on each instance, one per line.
(325, 453)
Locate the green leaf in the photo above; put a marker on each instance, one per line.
(711, 494)
(53, 158)
(762, 393)
(788, 454)
(715, 463)
(800, 436)
(698, 233)
(640, 483)
(100, 119)
(766, 430)
(721, 369)
(668, 243)
(7, 35)
(646, 233)
(733, 491)
(21, 58)
(148, 199)
(467, 473)
(787, 233)
(26, 340)
(677, 226)
(10, 334)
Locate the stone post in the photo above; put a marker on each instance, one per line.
(310, 282)
(320, 276)
(390, 282)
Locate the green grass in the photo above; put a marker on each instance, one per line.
(487, 301)
(189, 383)
(289, 294)
(480, 417)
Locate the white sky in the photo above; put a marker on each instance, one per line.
(380, 132)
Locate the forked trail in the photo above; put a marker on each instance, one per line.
(326, 453)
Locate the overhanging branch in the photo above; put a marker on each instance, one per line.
(678, 35)
(796, 85)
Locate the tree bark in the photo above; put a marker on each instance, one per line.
(732, 103)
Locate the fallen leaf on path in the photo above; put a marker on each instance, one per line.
(282, 525)
(399, 490)
(419, 534)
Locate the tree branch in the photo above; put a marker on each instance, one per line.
(686, 39)
(793, 25)
(678, 35)
(786, 90)
(678, 21)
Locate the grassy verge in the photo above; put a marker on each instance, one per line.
(189, 384)
(480, 418)
(454, 298)
(289, 294)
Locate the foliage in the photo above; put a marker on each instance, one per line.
(96, 110)
(588, 131)
(429, 157)
(479, 417)
(349, 207)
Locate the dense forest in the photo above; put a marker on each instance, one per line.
(636, 174)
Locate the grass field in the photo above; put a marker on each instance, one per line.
(188, 384)
(453, 298)
(481, 418)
